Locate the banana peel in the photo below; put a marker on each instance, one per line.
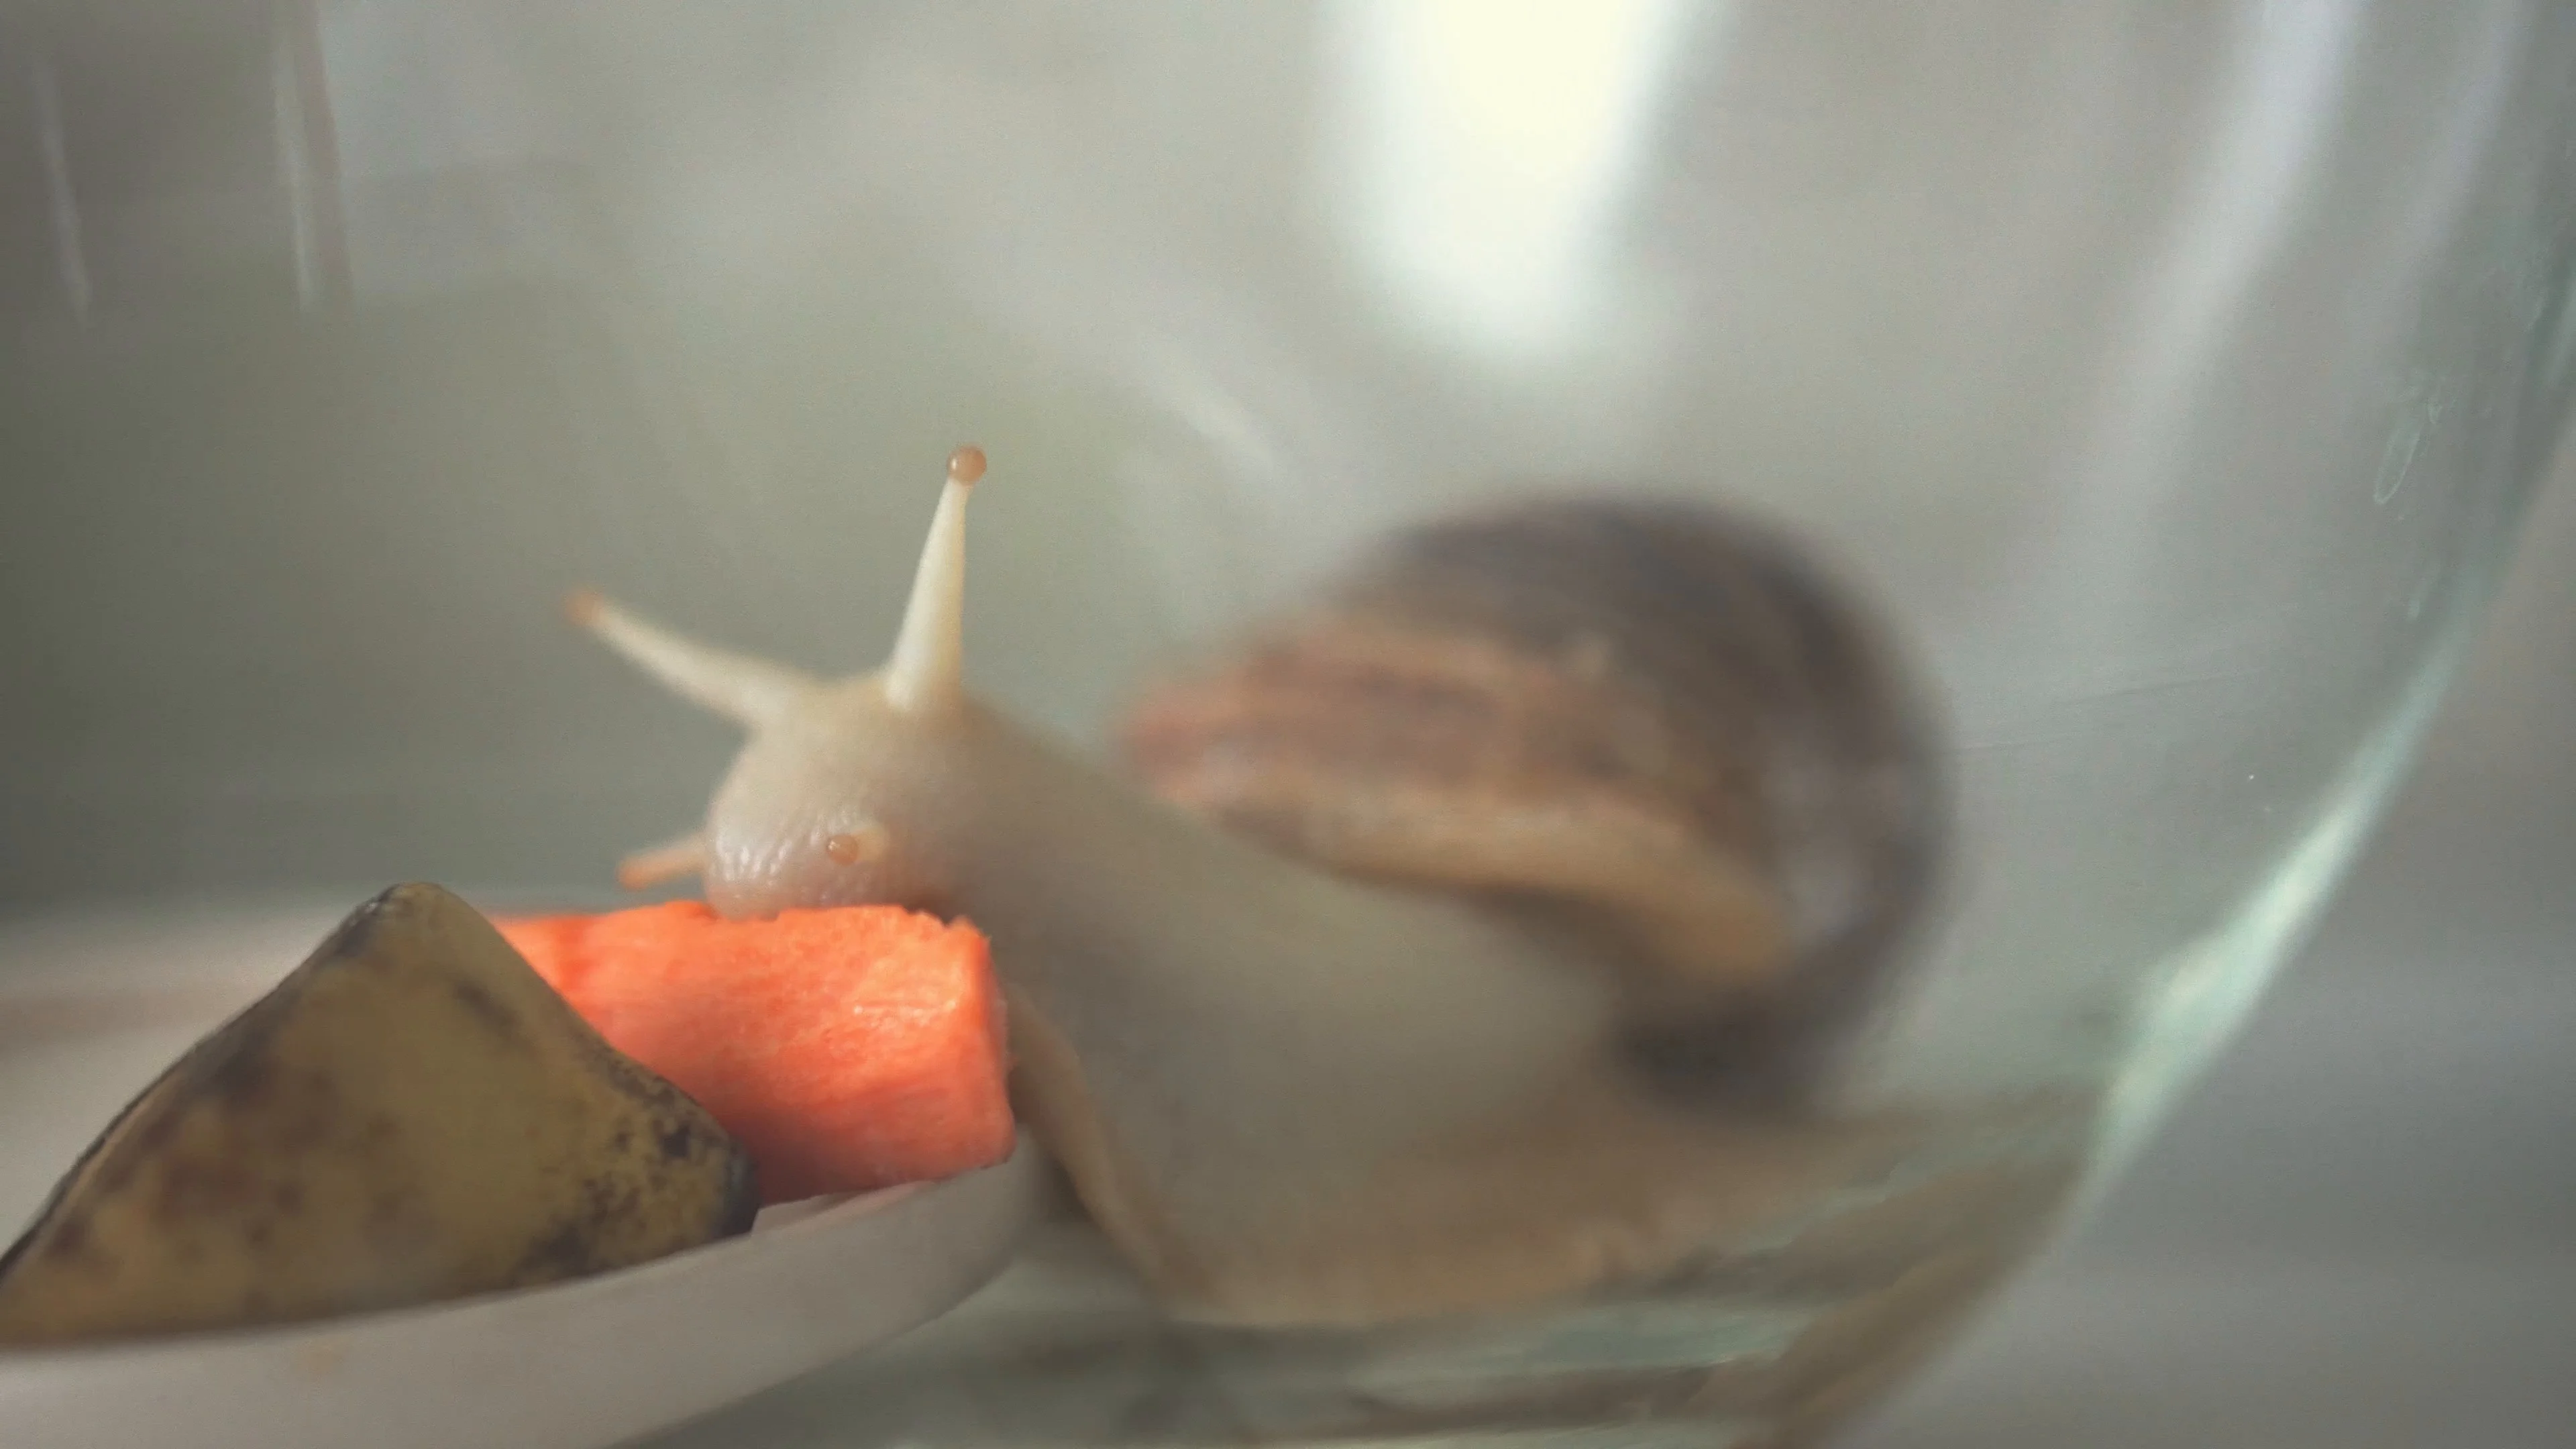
(412, 1115)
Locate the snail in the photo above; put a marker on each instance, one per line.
(1472, 938)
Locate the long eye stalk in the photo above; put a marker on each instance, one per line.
(928, 668)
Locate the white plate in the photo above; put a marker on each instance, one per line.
(92, 1009)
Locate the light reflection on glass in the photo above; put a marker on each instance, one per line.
(1487, 147)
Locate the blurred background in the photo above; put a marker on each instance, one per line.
(313, 403)
(2359, 1231)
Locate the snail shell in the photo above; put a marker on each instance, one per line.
(1644, 716)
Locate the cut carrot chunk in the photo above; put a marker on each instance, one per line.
(847, 1049)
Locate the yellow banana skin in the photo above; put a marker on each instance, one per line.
(412, 1115)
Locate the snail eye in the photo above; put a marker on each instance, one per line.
(857, 847)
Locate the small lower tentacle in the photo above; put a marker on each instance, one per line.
(668, 861)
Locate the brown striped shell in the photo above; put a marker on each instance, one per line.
(1646, 718)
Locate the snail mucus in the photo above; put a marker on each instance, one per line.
(1473, 936)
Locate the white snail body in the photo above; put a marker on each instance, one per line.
(1408, 1077)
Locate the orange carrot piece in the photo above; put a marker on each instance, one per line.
(552, 944)
(847, 1049)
